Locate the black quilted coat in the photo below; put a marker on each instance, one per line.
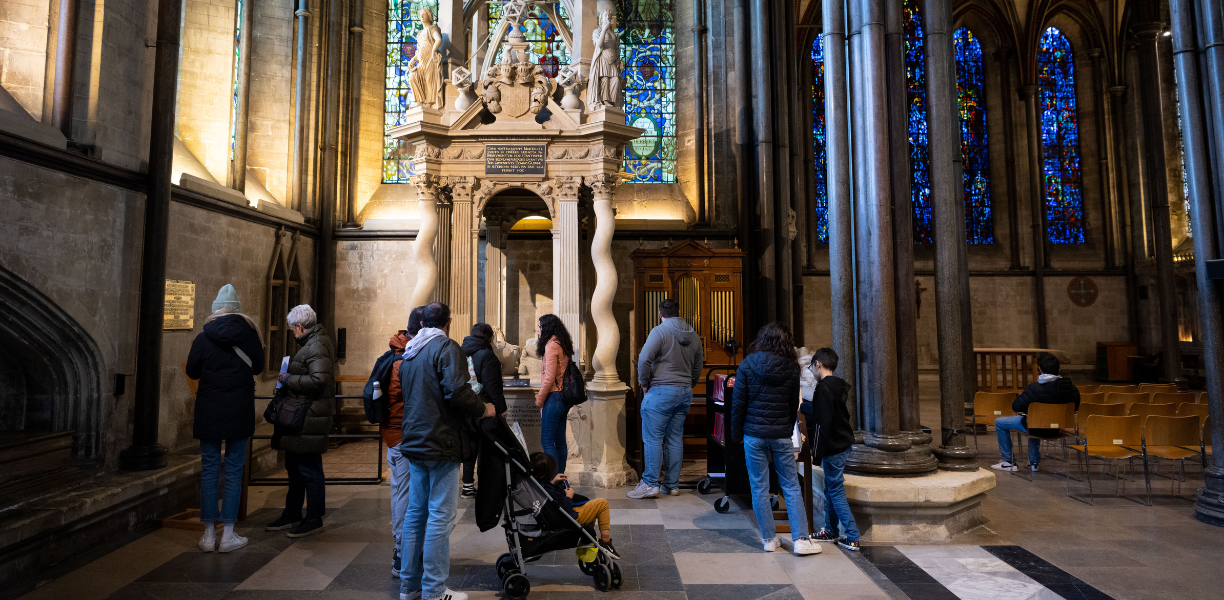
(766, 399)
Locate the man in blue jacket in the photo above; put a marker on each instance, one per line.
(1051, 388)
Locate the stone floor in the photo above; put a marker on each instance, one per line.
(1037, 544)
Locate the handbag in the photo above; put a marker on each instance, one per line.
(287, 411)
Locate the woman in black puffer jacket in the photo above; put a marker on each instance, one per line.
(764, 409)
(487, 367)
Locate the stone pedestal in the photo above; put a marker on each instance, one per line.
(915, 510)
(603, 457)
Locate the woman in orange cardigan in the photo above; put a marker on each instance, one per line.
(555, 347)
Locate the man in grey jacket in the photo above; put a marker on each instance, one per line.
(668, 368)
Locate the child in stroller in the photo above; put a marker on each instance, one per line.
(534, 522)
(544, 469)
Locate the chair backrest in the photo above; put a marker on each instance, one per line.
(1125, 389)
(1157, 387)
(1202, 398)
(1113, 431)
(1173, 398)
(1049, 416)
(1145, 410)
(1092, 397)
(1186, 409)
(1171, 431)
(1087, 389)
(1088, 409)
(1127, 398)
(993, 404)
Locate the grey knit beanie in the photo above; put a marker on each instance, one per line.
(227, 298)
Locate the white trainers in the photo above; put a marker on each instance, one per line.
(410, 595)
(230, 543)
(1004, 465)
(805, 546)
(643, 491)
(208, 542)
(1033, 467)
(453, 595)
(773, 545)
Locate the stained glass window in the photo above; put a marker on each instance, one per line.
(820, 195)
(548, 48)
(237, 72)
(920, 152)
(648, 50)
(970, 79)
(1064, 204)
(403, 24)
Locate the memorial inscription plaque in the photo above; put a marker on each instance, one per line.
(514, 159)
(180, 305)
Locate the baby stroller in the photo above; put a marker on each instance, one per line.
(535, 525)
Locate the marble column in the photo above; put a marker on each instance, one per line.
(1209, 507)
(1036, 209)
(427, 234)
(442, 251)
(837, 186)
(951, 260)
(462, 256)
(565, 252)
(495, 270)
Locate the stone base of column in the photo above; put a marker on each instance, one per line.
(956, 458)
(604, 463)
(1209, 508)
(917, 438)
(889, 455)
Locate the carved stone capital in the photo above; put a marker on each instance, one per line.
(427, 183)
(566, 186)
(603, 185)
(462, 187)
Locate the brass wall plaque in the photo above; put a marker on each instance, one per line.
(514, 159)
(180, 305)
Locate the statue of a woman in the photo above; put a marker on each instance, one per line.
(425, 69)
(604, 81)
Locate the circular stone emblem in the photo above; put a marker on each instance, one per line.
(1082, 291)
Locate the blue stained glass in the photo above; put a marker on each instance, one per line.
(1064, 203)
(237, 73)
(547, 48)
(648, 50)
(403, 24)
(970, 78)
(920, 152)
(820, 192)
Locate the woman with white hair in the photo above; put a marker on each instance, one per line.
(310, 377)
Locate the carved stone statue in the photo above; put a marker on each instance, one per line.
(604, 80)
(425, 69)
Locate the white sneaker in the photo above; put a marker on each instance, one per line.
(773, 545)
(805, 546)
(643, 491)
(1033, 467)
(410, 595)
(452, 595)
(1004, 465)
(230, 543)
(208, 542)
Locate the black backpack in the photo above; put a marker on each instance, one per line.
(380, 411)
(573, 388)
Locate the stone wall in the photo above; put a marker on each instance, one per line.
(24, 29)
(374, 280)
(206, 83)
(529, 287)
(270, 119)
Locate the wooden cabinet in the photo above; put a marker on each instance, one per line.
(1115, 361)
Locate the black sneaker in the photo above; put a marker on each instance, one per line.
(306, 528)
(610, 549)
(395, 563)
(281, 524)
(848, 545)
(824, 536)
(469, 490)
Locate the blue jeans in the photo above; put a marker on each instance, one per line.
(1003, 428)
(663, 411)
(433, 502)
(552, 429)
(837, 508)
(398, 476)
(210, 463)
(757, 452)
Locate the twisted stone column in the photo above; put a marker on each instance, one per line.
(426, 266)
(462, 256)
(608, 332)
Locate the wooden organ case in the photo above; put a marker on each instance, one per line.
(708, 285)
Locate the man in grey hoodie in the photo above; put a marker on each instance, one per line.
(668, 368)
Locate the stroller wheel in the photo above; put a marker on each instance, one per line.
(516, 586)
(703, 486)
(618, 577)
(603, 578)
(722, 505)
(587, 568)
(505, 566)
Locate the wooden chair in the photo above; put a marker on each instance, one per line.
(1170, 438)
(1147, 410)
(1127, 398)
(1092, 397)
(1202, 398)
(1173, 398)
(1087, 409)
(1109, 439)
(1124, 389)
(1152, 388)
(990, 406)
(1087, 389)
(1186, 409)
(1051, 419)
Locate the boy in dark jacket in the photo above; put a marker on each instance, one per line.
(832, 436)
(487, 367)
(1051, 388)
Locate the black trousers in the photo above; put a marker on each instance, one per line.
(469, 470)
(305, 485)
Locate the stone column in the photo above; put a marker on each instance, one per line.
(1117, 103)
(442, 251)
(837, 181)
(1036, 208)
(584, 18)
(1152, 107)
(495, 270)
(565, 252)
(242, 111)
(301, 104)
(462, 256)
(1103, 149)
(1003, 58)
(1190, 93)
(422, 250)
(951, 261)
(1210, 24)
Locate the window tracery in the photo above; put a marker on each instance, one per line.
(971, 100)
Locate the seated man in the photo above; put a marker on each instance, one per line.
(1051, 388)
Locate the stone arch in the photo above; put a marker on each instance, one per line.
(52, 368)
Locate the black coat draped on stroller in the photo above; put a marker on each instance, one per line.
(535, 525)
